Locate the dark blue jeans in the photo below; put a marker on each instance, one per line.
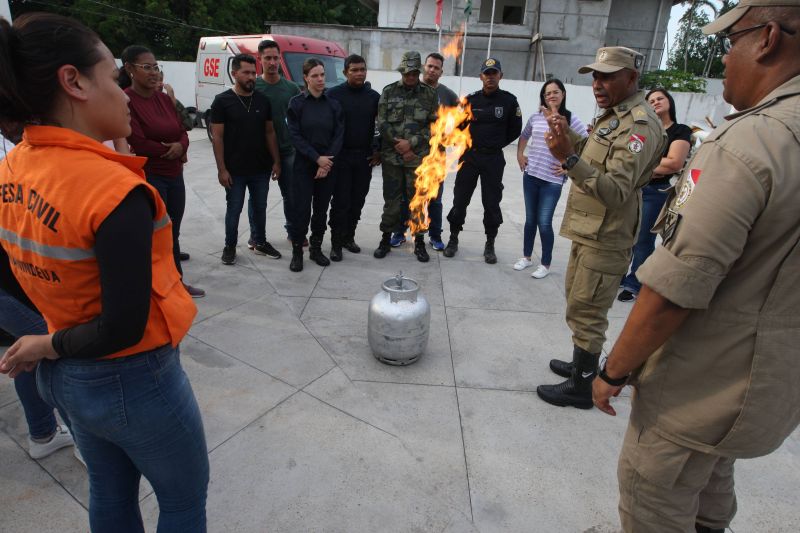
(284, 181)
(434, 213)
(653, 198)
(18, 320)
(173, 193)
(541, 198)
(258, 185)
(134, 416)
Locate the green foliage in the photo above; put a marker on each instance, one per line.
(172, 29)
(673, 80)
(692, 51)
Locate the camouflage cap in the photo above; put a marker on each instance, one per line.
(614, 58)
(732, 17)
(411, 61)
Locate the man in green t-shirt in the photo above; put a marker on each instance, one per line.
(278, 91)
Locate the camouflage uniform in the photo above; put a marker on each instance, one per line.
(403, 113)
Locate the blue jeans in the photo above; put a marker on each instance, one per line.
(18, 320)
(134, 416)
(284, 181)
(258, 185)
(434, 213)
(541, 198)
(653, 198)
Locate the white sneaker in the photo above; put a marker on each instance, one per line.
(522, 264)
(540, 272)
(60, 439)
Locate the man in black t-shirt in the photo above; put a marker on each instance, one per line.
(245, 148)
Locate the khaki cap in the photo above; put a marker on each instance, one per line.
(410, 62)
(732, 17)
(614, 58)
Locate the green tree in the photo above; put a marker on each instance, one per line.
(172, 29)
(692, 51)
(673, 80)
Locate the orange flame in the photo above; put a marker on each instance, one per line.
(431, 172)
(452, 48)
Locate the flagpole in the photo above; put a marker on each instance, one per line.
(491, 27)
(463, 56)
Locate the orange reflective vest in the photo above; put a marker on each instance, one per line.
(56, 189)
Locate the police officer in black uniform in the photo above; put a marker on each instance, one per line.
(496, 122)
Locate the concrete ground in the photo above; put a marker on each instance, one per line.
(307, 431)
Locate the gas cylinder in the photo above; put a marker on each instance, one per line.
(399, 322)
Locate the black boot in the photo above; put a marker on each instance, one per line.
(419, 249)
(384, 247)
(452, 245)
(315, 250)
(705, 529)
(577, 390)
(350, 242)
(336, 246)
(564, 368)
(488, 251)
(296, 264)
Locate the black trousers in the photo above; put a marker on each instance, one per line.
(308, 193)
(489, 167)
(352, 179)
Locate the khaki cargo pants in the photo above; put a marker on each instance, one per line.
(666, 488)
(591, 282)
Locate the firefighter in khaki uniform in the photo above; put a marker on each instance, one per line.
(712, 339)
(603, 210)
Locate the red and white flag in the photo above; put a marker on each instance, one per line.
(438, 20)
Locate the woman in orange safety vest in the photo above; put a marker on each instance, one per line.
(89, 242)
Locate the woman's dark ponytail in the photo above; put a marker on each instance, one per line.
(31, 52)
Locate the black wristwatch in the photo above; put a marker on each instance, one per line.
(570, 162)
(618, 382)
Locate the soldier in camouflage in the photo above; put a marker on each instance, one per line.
(405, 113)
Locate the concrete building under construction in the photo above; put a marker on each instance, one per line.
(533, 39)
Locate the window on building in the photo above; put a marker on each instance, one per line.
(506, 11)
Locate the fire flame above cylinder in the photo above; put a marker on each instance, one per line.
(448, 143)
(449, 140)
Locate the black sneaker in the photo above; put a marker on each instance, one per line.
(626, 296)
(229, 255)
(266, 249)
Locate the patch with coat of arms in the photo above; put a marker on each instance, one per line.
(498, 112)
(636, 143)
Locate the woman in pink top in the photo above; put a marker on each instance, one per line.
(542, 177)
(157, 133)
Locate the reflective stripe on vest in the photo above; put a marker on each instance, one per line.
(60, 252)
(53, 252)
(158, 224)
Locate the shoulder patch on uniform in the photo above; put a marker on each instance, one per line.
(519, 112)
(636, 143)
(688, 187)
(639, 114)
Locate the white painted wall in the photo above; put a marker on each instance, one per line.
(5, 11)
